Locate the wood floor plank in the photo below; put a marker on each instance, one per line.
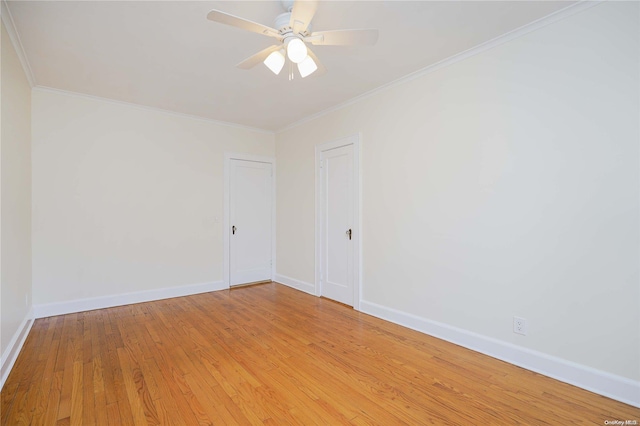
(7, 397)
(53, 400)
(64, 406)
(113, 414)
(268, 354)
(144, 412)
(77, 395)
(99, 393)
(181, 394)
(168, 411)
(171, 400)
(88, 395)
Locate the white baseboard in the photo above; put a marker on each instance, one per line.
(10, 354)
(600, 382)
(81, 305)
(297, 284)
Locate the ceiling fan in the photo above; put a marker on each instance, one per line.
(293, 32)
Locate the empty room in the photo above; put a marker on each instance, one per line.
(320, 212)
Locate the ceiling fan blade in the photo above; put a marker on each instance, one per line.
(254, 60)
(321, 68)
(245, 24)
(302, 14)
(343, 38)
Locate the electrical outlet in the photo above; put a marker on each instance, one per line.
(520, 325)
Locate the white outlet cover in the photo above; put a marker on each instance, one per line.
(520, 326)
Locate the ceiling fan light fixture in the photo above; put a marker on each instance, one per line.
(307, 67)
(296, 50)
(275, 61)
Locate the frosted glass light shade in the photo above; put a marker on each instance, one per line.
(307, 67)
(275, 62)
(296, 50)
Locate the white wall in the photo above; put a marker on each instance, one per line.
(15, 201)
(125, 199)
(504, 184)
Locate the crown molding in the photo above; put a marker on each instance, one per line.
(559, 15)
(7, 19)
(149, 108)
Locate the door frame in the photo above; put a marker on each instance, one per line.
(357, 214)
(228, 156)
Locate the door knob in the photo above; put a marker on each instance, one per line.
(349, 233)
(233, 230)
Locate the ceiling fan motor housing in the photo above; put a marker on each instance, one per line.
(282, 22)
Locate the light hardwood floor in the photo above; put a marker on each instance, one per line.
(269, 354)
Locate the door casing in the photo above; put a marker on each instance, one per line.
(357, 217)
(228, 157)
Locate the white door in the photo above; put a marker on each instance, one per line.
(337, 224)
(250, 221)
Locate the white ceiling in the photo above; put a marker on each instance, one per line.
(166, 54)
